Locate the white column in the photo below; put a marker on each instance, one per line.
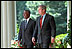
(4, 25)
(11, 21)
(68, 17)
(69, 8)
(68, 12)
(1, 26)
(15, 17)
(8, 23)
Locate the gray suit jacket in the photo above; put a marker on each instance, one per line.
(48, 29)
(26, 34)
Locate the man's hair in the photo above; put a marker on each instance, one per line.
(28, 11)
(42, 6)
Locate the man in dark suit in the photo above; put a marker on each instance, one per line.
(45, 28)
(26, 30)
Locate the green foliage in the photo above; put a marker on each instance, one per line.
(16, 34)
(20, 7)
(17, 28)
(14, 44)
(58, 41)
(67, 38)
(69, 25)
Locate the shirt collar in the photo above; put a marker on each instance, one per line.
(27, 19)
(44, 15)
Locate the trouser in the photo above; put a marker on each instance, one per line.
(24, 46)
(27, 46)
(30, 46)
(43, 45)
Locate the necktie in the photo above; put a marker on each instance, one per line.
(41, 22)
(25, 23)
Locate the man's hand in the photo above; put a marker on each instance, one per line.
(52, 39)
(33, 39)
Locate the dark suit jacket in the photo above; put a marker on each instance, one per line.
(48, 29)
(26, 34)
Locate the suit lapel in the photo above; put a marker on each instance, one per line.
(23, 25)
(39, 22)
(44, 20)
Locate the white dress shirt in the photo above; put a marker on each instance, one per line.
(27, 20)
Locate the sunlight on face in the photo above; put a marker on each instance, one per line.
(26, 14)
(40, 10)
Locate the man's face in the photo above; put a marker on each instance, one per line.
(26, 14)
(40, 10)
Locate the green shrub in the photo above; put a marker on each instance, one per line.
(58, 41)
(67, 38)
(17, 28)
